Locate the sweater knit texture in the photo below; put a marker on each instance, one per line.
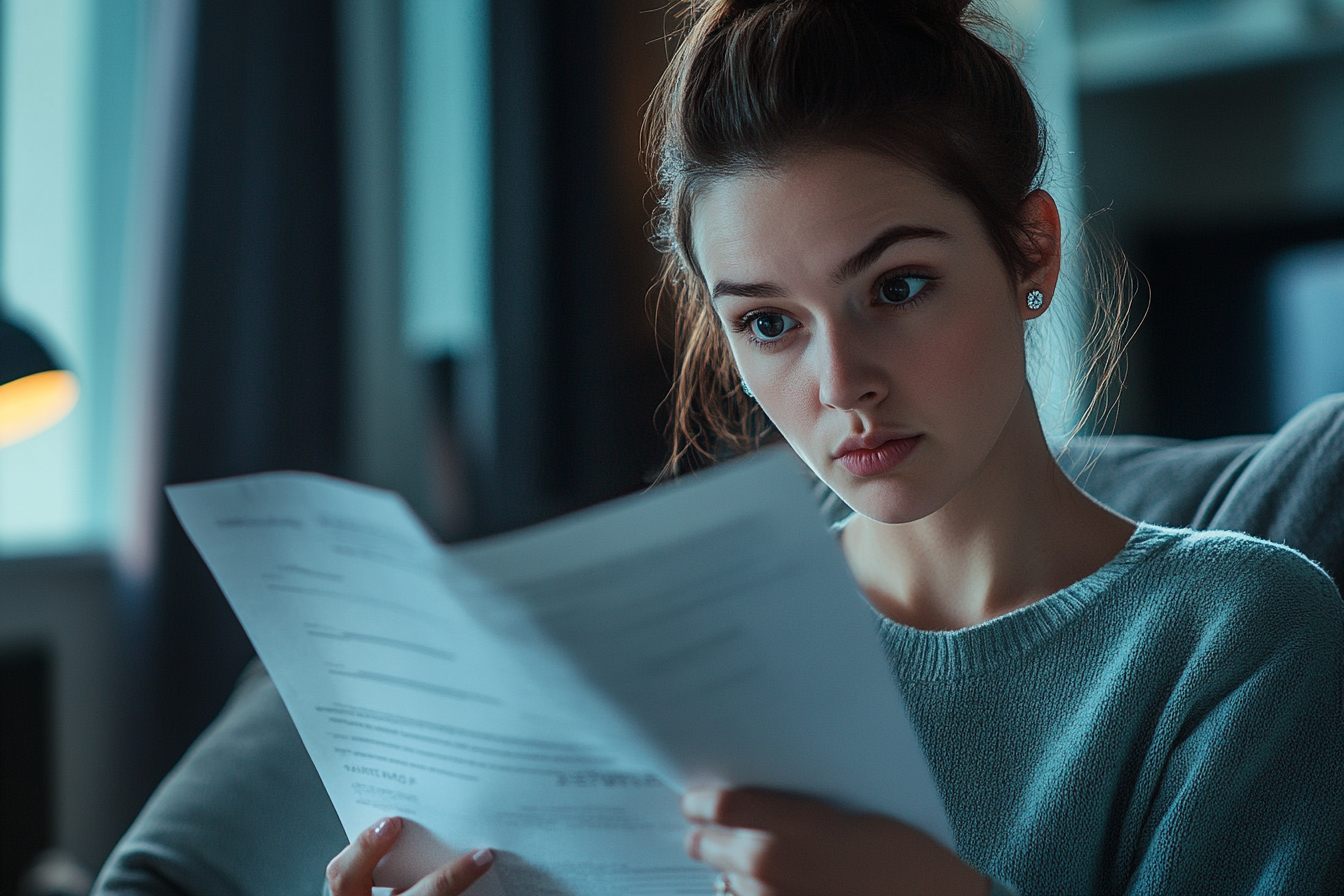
(1172, 724)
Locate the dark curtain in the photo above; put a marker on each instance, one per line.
(257, 372)
(577, 369)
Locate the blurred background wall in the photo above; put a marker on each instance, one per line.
(404, 241)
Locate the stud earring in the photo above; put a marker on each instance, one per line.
(747, 390)
(1035, 299)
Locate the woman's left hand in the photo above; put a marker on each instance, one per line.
(774, 844)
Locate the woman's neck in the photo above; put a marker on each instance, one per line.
(1017, 532)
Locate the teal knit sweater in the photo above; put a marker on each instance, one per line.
(1172, 724)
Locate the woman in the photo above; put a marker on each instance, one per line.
(856, 240)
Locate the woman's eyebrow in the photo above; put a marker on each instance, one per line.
(851, 267)
(744, 290)
(859, 261)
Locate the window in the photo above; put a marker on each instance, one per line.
(447, 176)
(1306, 317)
(91, 91)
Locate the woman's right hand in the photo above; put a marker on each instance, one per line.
(351, 872)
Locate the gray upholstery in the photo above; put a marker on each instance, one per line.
(1157, 480)
(1288, 487)
(245, 813)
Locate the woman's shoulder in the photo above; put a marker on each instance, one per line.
(1230, 560)
(1235, 584)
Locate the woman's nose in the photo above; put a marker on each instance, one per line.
(847, 377)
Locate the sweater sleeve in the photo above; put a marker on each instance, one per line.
(1251, 796)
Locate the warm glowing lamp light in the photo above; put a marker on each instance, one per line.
(34, 392)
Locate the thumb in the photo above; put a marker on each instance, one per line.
(454, 878)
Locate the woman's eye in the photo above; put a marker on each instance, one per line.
(771, 325)
(899, 290)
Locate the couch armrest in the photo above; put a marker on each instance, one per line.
(243, 814)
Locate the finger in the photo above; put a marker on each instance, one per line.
(739, 885)
(454, 878)
(351, 872)
(749, 807)
(742, 852)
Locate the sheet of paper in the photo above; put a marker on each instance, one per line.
(534, 692)
(406, 707)
(719, 617)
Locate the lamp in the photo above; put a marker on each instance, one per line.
(34, 392)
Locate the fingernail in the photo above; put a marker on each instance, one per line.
(483, 857)
(385, 826)
(698, 804)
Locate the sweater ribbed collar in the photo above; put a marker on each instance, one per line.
(919, 655)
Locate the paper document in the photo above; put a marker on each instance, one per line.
(548, 693)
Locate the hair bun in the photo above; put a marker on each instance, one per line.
(940, 12)
(937, 14)
(933, 14)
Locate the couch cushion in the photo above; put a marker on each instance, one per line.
(1288, 487)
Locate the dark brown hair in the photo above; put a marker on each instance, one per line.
(752, 83)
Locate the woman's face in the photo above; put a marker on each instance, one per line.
(871, 317)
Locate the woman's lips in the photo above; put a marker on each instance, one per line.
(876, 461)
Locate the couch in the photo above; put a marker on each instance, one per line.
(244, 813)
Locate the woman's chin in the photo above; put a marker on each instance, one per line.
(884, 503)
(889, 518)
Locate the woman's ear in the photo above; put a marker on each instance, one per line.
(1042, 237)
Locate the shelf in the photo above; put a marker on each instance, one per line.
(1161, 42)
